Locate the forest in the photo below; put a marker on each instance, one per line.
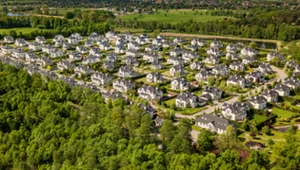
(46, 124)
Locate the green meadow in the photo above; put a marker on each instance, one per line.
(174, 16)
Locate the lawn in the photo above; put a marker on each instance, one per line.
(24, 30)
(184, 111)
(282, 113)
(258, 119)
(174, 16)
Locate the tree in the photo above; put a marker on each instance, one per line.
(253, 44)
(210, 80)
(167, 130)
(69, 15)
(181, 142)
(205, 140)
(241, 98)
(245, 125)
(257, 159)
(266, 130)
(228, 140)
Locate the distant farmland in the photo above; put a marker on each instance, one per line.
(174, 16)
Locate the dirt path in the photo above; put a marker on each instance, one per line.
(278, 43)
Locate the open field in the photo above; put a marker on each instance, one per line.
(24, 30)
(174, 16)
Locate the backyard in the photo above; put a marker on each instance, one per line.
(282, 113)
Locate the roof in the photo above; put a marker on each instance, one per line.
(218, 122)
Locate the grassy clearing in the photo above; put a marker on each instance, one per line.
(174, 16)
(282, 113)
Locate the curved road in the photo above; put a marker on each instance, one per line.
(280, 75)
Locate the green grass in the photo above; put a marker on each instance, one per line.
(184, 111)
(282, 113)
(258, 119)
(173, 16)
(24, 30)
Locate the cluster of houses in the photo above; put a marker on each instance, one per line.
(120, 57)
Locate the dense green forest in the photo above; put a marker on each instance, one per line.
(46, 124)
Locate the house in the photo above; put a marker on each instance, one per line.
(90, 60)
(270, 95)
(157, 41)
(126, 72)
(101, 79)
(30, 56)
(44, 61)
(232, 48)
(255, 145)
(133, 53)
(108, 65)
(156, 65)
(47, 48)
(75, 56)
(6, 49)
(130, 60)
(249, 60)
(167, 44)
(249, 52)
(141, 40)
(123, 85)
(272, 55)
(151, 57)
(236, 111)
(154, 77)
(120, 42)
(198, 42)
(18, 53)
(237, 66)
(120, 49)
(152, 48)
(81, 49)
(159, 121)
(58, 38)
(282, 90)
(291, 65)
(179, 84)
(67, 46)
(59, 43)
(175, 60)
(95, 52)
(233, 56)
(213, 51)
(213, 123)
(221, 70)
(83, 70)
(112, 95)
(150, 93)
(133, 46)
(112, 57)
(35, 46)
(94, 36)
(258, 102)
(73, 40)
(56, 53)
(265, 68)
(188, 99)
(178, 70)
(196, 66)
(292, 82)
(178, 40)
(148, 109)
(105, 46)
(110, 35)
(20, 42)
(203, 75)
(193, 48)
(236, 80)
(212, 60)
(89, 43)
(255, 77)
(8, 40)
(213, 92)
(40, 39)
(189, 56)
(77, 36)
(217, 44)
(176, 52)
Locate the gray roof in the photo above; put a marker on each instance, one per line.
(218, 122)
(236, 107)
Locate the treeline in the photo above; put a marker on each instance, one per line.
(46, 124)
(270, 25)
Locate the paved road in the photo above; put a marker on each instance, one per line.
(280, 75)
